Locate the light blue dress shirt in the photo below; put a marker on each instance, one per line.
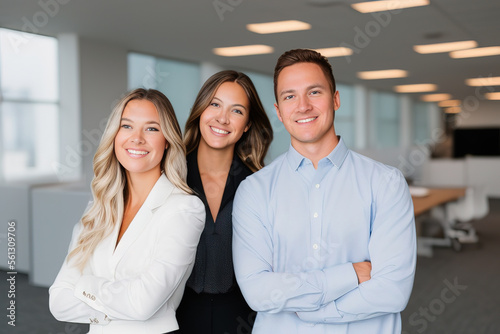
(297, 230)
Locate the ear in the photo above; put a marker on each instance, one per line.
(247, 127)
(278, 112)
(166, 145)
(336, 100)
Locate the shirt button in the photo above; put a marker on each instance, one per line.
(317, 186)
(315, 246)
(315, 215)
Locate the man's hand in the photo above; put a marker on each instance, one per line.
(363, 270)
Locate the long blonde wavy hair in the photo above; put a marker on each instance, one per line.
(109, 185)
(253, 144)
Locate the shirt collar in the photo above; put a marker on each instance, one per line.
(336, 156)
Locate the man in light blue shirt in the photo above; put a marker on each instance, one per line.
(324, 238)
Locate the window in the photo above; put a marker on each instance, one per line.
(29, 105)
(420, 122)
(344, 116)
(384, 119)
(178, 80)
(265, 88)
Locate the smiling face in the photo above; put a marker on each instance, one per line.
(226, 118)
(139, 143)
(305, 106)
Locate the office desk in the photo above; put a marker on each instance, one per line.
(434, 201)
(436, 196)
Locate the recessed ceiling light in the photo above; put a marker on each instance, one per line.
(383, 74)
(435, 97)
(492, 96)
(278, 26)
(450, 103)
(452, 110)
(335, 52)
(478, 52)
(244, 50)
(483, 82)
(385, 5)
(444, 47)
(417, 88)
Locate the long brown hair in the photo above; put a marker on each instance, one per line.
(253, 144)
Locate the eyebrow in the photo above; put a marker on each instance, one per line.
(234, 105)
(287, 92)
(307, 89)
(131, 121)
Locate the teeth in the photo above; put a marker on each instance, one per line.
(219, 131)
(306, 120)
(137, 152)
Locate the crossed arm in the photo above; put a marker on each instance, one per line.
(86, 298)
(340, 293)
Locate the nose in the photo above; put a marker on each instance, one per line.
(137, 137)
(222, 116)
(303, 104)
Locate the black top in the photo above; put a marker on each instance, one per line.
(213, 269)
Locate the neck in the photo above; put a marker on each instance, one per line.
(139, 186)
(317, 150)
(213, 160)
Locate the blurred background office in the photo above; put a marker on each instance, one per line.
(419, 84)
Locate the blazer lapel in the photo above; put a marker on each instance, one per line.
(158, 195)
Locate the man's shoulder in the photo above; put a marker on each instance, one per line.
(373, 171)
(264, 177)
(269, 171)
(365, 161)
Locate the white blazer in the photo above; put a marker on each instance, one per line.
(136, 287)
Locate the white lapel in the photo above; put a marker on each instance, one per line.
(158, 195)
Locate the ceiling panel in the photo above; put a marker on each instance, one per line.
(190, 29)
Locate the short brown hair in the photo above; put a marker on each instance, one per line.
(253, 144)
(295, 56)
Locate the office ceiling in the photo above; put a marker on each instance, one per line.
(190, 29)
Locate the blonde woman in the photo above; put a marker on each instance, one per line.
(134, 248)
(227, 137)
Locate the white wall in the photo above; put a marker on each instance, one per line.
(479, 113)
(479, 172)
(52, 229)
(103, 81)
(15, 206)
(93, 77)
(69, 167)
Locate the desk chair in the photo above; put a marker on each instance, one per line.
(463, 212)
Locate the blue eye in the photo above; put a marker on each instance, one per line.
(238, 111)
(314, 92)
(125, 126)
(288, 97)
(213, 104)
(152, 129)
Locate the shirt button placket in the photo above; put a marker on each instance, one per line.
(315, 214)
